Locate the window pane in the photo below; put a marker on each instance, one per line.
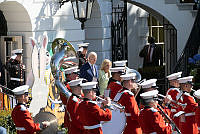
(154, 22)
(155, 33)
(161, 36)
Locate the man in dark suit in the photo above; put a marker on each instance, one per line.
(89, 70)
(152, 54)
(2, 74)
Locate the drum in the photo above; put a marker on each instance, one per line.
(117, 123)
(47, 116)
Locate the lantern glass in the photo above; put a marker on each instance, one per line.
(82, 9)
(75, 9)
(89, 8)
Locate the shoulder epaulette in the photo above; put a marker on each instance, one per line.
(118, 82)
(187, 94)
(75, 99)
(154, 110)
(129, 92)
(22, 108)
(94, 102)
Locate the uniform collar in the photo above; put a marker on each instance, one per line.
(21, 104)
(146, 107)
(76, 95)
(86, 99)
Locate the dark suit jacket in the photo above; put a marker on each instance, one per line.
(87, 73)
(156, 56)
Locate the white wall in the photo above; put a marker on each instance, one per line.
(137, 32)
(98, 30)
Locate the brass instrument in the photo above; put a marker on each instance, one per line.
(139, 88)
(64, 57)
(176, 102)
(119, 106)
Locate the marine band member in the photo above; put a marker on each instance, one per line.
(187, 123)
(126, 98)
(21, 116)
(15, 68)
(75, 126)
(90, 114)
(150, 119)
(82, 52)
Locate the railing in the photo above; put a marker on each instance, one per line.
(7, 101)
(119, 33)
(191, 48)
(196, 3)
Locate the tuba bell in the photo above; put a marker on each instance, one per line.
(64, 56)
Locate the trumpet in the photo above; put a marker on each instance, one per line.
(178, 103)
(119, 106)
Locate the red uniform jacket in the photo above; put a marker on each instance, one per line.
(114, 86)
(173, 92)
(64, 101)
(127, 99)
(90, 115)
(152, 121)
(23, 120)
(188, 125)
(197, 118)
(75, 126)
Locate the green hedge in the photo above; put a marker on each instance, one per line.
(6, 121)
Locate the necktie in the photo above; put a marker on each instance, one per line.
(149, 54)
(93, 70)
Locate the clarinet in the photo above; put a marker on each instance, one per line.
(170, 120)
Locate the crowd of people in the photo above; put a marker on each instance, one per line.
(177, 111)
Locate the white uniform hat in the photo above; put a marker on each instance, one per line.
(17, 51)
(186, 79)
(117, 69)
(197, 94)
(75, 82)
(149, 95)
(71, 70)
(14, 56)
(89, 85)
(20, 90)
(149, 83)
(131, 76)
(82, 45)
(120, 63)
(174, 76)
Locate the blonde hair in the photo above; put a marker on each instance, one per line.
(104, 63)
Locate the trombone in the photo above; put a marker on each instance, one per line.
(119, 106)
(176, 102)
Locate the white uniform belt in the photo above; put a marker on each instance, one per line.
(173, 110)
(20, 128)
(190, 114)
(128, 114)
(93, 127)
(153, 133)
(16, 79)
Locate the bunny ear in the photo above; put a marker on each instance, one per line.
(30, 79)
(45, 41)
(33, 42)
